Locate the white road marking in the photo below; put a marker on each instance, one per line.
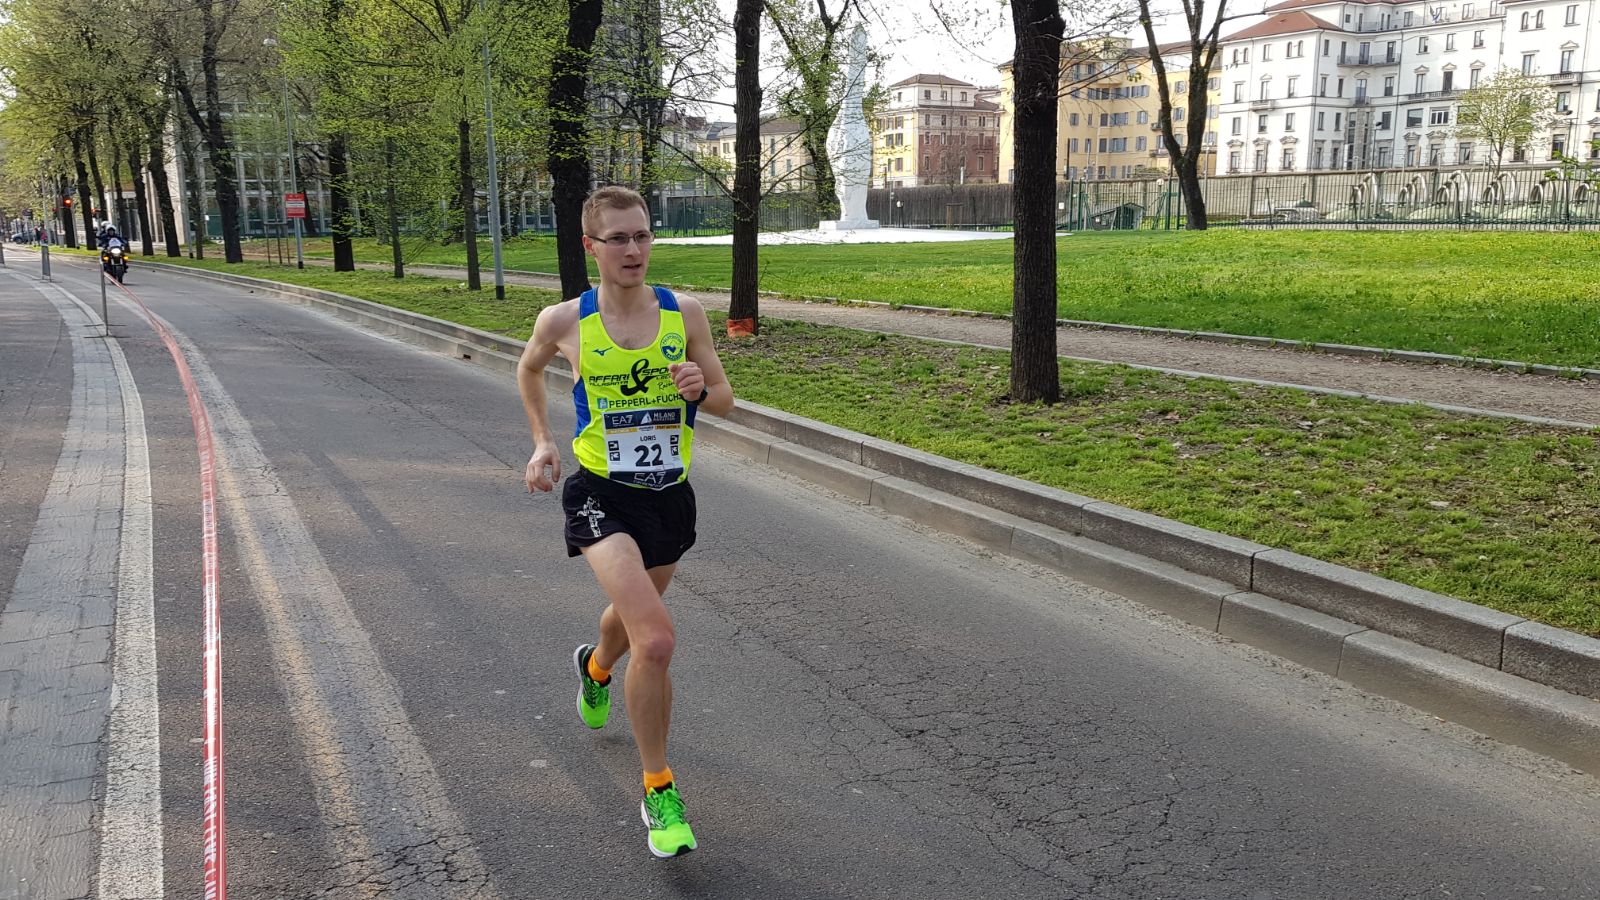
(56, 645)
(372, 777)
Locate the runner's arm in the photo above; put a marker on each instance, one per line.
(541, 348)
(706, 369)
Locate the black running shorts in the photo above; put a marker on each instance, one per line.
(660, 522)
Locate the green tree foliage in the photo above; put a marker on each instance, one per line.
(1506, 111)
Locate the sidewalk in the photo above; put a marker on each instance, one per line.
(1481, 389)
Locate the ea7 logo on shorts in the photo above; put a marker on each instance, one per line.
(672, 347)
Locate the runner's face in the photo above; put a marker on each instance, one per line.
(622, 266)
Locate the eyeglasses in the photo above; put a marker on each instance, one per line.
(619, 241)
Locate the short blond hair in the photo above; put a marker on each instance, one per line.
(610, 197)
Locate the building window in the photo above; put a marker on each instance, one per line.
(927, 95)
(899, 164)
(1336, 118)
(1435, 154)
(1340, 90)
(1263, 94)
(1237, 126)
(1564, 101)
(1407, 19)
(1538, 19)
(1466, 12)
(1322, 121)
(963, 96)
(1558, 146)
(1288, 122)
(1294, 86)
(1572, 14)
(1566, 61)
(1073, 147)
(1422, 45)
(1411, 155)
(1238, 92)
(1287, 164)
(1528, 63)
(1449, 80)
(1450, 41)
(1266, 53)
(1322, 87)
(1477, 40)
(1388, 86)
(1422, 80)
(1144, 117)
(1180, 87)
(1526, 19)
(1413, 118)
(1325, 45)
(1072, 119)
(1463, 154)
(1140, 143)
(1234, 159)
(1261, 160)
(1385, 120)
(1439, 115)
(1261, 124)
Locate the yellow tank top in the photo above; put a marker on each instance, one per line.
(633, 425)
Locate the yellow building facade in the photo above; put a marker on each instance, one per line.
(1109, 111)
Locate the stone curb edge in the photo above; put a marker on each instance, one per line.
(1519, 681)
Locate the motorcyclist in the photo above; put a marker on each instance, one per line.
(109, 238)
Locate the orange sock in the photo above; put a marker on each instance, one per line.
(597, 673)
(656, 780)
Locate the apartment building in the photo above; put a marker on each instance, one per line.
(1109, 111)
(1357, 84)
(937, 130)
(785, 162)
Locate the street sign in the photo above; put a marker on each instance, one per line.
(294, 206)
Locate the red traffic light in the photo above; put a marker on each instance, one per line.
(67, 202)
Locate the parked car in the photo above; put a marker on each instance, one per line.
(20, 237)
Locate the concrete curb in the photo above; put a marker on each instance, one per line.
(1518, 681)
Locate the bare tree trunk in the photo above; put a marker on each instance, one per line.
(1035, 368)
(569, 142)
(146, 239)
(344, 251)
(155, 164)
(744, 311)
(197, 198)
(469, 202)
(97, 206)
(80, 139)
(393, 208)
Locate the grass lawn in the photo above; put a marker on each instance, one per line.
(1492, 511)
(1532, 297)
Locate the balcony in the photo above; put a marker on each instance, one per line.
(1566, 78)
(1361, 100)
(1433, 95)
(1261, 104)
(1355, 59)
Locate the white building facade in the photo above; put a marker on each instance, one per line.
(1374, 84)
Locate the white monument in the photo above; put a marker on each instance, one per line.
(850, 145)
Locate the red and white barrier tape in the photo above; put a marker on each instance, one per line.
(216, 855)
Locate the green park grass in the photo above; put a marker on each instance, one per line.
(1529, 297)
(1496, 512)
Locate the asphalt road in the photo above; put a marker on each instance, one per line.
(864, 708)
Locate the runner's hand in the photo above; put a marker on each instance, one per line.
(543, 458)
(688, 378)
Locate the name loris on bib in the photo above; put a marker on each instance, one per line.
(633, 425)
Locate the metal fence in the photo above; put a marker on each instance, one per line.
(1395, 199)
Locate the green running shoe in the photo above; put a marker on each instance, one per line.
(594, 698)
(662, 811)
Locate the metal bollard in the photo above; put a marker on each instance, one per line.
(44, 259)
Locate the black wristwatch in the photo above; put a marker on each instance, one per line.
(704, 393)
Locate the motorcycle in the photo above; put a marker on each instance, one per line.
(114, 260)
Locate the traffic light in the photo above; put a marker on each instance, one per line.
(66, 202)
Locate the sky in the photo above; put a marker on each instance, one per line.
(914, 40)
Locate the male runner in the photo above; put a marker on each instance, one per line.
(643, 365)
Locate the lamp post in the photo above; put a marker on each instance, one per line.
(294, 174)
